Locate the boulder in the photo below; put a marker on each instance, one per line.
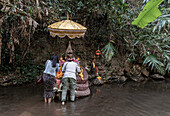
(145, 72)
(137, 78)
(98, 82)
(122, 79)
(157, 76)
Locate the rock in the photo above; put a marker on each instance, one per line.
(121, 78)
(157, 76)
(98, 82)
(127, 72)
(109, 73)
(137, 78)
(145, 72)
(6, 84)
(120, 73)
(109, 78)
(114, 74)
(136, 70)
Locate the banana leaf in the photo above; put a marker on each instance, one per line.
(149, 13)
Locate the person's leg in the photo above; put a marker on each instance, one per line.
(64, 89)
(44, 81)
(49, 100)
(45, 100)
(72, 89)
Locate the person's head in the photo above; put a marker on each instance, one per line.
(55, 60)
(69, 57)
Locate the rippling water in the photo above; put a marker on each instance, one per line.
(130, 99)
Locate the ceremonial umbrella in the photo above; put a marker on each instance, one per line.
(67, 28)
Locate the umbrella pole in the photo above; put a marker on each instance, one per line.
(67, 43)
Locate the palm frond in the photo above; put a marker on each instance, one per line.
(161, 22)
(155, 64)
(109, 50)
(168, 67)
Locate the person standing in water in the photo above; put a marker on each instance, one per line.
(69, 79)
(49, 77)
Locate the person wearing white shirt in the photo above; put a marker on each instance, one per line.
(70, 69)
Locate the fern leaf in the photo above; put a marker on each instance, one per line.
(149, 13)
(109, 50)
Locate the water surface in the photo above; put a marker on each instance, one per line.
(130, 99)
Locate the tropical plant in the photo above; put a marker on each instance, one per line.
(162, 21)
(154, 64)
(22, 21)
(149, 13)
(109, 50)
(168, 67)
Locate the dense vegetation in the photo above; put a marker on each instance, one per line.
(109, 26)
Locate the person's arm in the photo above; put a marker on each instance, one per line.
(46, 63)
(57, 67)
(63, 68)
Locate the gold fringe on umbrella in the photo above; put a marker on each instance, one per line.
(67, 27)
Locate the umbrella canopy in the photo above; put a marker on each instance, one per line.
(67, 27)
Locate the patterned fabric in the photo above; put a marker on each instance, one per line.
(49, 82)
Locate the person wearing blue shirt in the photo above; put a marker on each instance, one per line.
(49, 77)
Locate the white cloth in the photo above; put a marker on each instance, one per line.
(70, 69)
(49, 69)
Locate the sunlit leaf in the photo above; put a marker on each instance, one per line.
(149, 13)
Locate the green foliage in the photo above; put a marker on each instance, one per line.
(109, 50)
(152, 62)
(143, 42)
(149, 13)
(168, 67)
(161, 22)
(28, 73)
(101, 17)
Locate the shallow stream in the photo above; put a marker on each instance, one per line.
(130, 99)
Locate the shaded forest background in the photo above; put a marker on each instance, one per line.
(127, 50)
